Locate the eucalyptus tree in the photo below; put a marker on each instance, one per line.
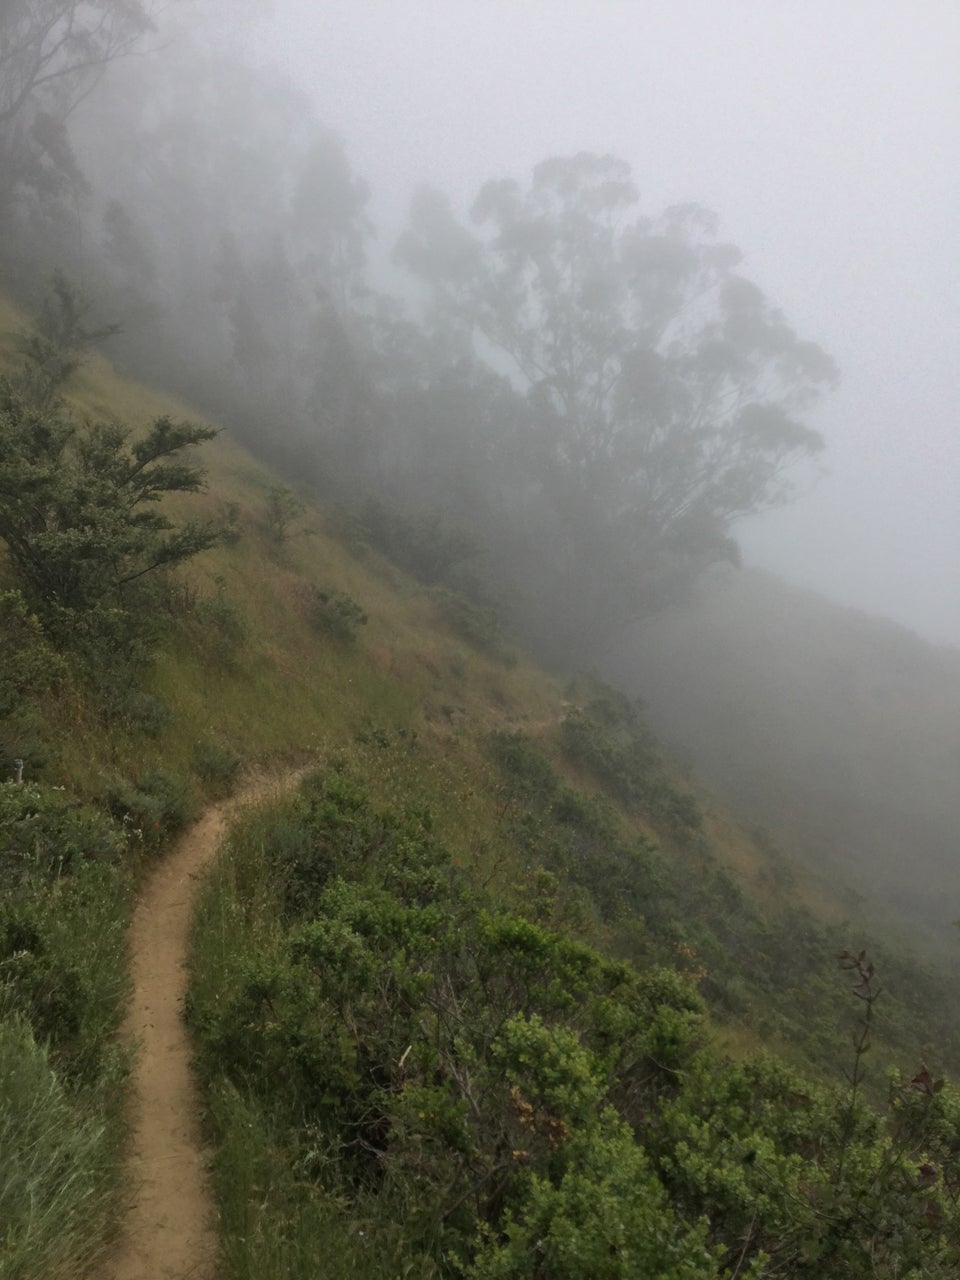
(668, 396)
(53, 53)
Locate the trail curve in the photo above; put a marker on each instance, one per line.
(170, 1230)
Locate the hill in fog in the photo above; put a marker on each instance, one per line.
(839, 730)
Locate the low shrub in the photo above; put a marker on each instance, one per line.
(334, 614)
(156, 807)
(44, 834)
(479, 624)
(608, 736)
(425, 543)
(224, 628)
(216, 763)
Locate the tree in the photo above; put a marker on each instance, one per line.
(77, 507)
(283, 508)
(57, 346)
(327, 217)
(667, 393)
(59, 49)
(53, 53)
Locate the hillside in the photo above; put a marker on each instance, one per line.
(839, 731)
(538, 808)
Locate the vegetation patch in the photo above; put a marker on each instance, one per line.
(62, 984)
(334, 614)
(445, 1087)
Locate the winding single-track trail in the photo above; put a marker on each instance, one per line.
(170, 1230)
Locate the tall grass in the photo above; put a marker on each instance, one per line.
(57, 1192)
(62, 987)
(275, 1224)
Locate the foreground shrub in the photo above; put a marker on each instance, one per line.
(396, 1057)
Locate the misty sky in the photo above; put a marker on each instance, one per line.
(826, 134)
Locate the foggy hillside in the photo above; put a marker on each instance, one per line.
(402, 397)
(549, 393)
(839, 730)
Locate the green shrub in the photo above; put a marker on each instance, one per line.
(284, 508)
(29, 663)
(143, 713)
(216, 763)
(389, 1050)
(156, 807)
(400, 1032)
(80, 515)
(45, 835)
(527, 773)
(334, 614)
(479, 624)
(425, 543)
(224, 628)
(608, 736)
(62, 920)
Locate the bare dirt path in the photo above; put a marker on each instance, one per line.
(170, 1232)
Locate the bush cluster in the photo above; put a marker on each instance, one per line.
(608, 736)
(481, 1096)
(334, 614)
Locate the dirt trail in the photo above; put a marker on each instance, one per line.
(170, 1231)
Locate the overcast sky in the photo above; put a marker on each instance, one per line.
(826, 134)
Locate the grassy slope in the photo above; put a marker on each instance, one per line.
(286, 692)
(275, 690)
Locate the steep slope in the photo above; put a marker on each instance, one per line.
(839, 731)
(285, 644)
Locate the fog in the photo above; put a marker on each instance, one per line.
(826, 137)
(451, 268)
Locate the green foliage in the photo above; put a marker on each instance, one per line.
(29, 667)
(217, 764)
(58, 343)
(29, 663)
(579, 863)
(154, 808)
(424, 543)
(223, 628)
(394, 1057)
(575, 837)
(45, 835)
(608, 735)
(774, 1161)
(141, 712)
(607, 1217)
(78, 519)
(275, 1223)
(479, 624)
(334, 614)
(448, 1050)
(61, 924)
(56, 1196)
(284, 508)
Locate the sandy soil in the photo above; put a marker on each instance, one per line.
(171, 1231)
